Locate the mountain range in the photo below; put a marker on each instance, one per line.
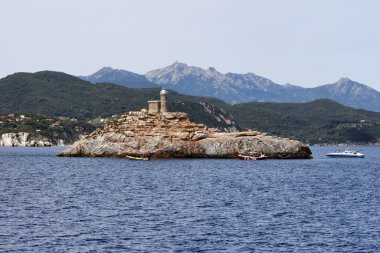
(239, 88)
(58, 94)
(120, 77)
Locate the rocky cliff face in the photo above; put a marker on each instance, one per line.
(23, 139)
(169, 135)
(225, 121)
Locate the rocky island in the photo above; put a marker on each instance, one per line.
(157, 133)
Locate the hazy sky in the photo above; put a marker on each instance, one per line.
(302, 42)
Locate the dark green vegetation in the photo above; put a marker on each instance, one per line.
(51, 128)
(320, 121)
(59, 94)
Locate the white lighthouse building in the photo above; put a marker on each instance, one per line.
(163, 100)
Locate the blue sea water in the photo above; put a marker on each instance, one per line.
(52, 204)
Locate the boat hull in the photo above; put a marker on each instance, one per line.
(245, 157)
(346, 155)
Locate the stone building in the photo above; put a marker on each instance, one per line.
(155, 106)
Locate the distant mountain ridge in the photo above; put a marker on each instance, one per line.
(230, 87)
(239, 88)
(120, 77)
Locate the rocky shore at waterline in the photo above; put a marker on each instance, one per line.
(172, 135)
(23, 139)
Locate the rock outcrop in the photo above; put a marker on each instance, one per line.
(226, 121)
(23, 139)
(171, 135)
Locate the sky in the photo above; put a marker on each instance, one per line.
(301, 42)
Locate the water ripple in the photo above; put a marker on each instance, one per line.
(51, 204)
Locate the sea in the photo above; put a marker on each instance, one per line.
(55, 204)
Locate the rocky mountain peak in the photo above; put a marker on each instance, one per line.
(118, 76)
(346, 89)
(344, 80)
(178, 65)
(349, 84)
(103, 71)
(110, 73)
(106, 69)
(173, 73)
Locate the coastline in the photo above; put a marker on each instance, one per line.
(346, 145)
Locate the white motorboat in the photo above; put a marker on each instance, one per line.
(346, 153)
(250, 157)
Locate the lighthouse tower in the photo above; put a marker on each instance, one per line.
(163, 100)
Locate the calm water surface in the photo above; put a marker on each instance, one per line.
(51, 204)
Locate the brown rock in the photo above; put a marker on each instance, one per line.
(173, 135)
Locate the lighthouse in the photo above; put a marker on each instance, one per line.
(163, 100)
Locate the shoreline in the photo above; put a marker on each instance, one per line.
(314, 145)
(345, 145)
